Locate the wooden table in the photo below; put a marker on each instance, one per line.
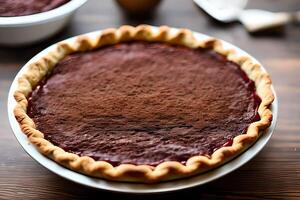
(274, 173)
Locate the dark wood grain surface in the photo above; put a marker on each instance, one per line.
(272, 174)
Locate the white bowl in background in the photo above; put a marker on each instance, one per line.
(28, 29)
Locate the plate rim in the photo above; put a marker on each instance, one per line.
(138, 188)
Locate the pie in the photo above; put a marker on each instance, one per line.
(143, 105)
(15, 8)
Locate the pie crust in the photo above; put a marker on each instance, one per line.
(167, 170)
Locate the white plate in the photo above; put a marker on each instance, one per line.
(135, 187)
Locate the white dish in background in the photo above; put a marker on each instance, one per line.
(136, 187)
(28, 29)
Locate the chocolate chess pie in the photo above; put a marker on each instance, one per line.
(143, 105)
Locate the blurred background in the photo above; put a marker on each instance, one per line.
(273, 174)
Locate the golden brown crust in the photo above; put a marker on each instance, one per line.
(140, 173)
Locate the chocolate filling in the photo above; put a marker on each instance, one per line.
(13, 8)
(144, 103)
